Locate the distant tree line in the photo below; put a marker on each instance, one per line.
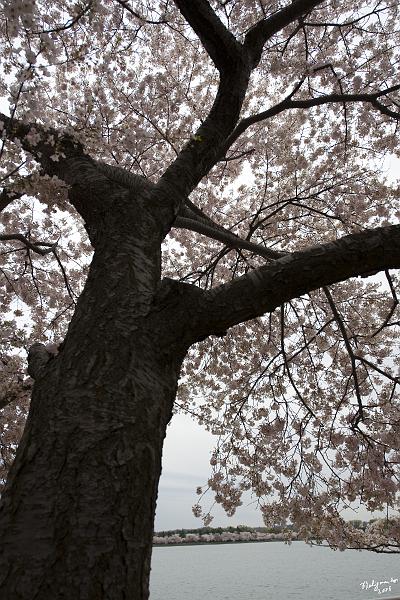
(238, 533)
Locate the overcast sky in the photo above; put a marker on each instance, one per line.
(186, 465)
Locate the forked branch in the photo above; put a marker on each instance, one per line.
(219, 43)
(260, 33)
(235, 62)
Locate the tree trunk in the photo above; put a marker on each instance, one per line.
(76, 520)
(77, 516)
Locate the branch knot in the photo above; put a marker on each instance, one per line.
(38, 357)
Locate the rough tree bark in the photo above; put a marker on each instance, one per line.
(77, 514)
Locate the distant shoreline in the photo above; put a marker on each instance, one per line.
(241, 534)
(219, 542)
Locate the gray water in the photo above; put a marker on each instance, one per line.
(271, 571)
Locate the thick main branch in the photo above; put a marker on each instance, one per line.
(92, 187)
(267, 287)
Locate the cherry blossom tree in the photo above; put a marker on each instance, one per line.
(194, 190)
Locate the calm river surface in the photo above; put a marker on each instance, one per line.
(271, 571)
